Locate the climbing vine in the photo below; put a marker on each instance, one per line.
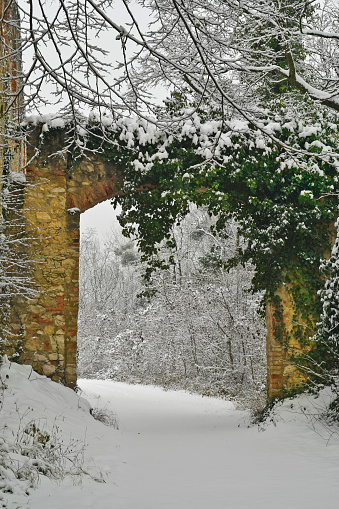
(284, 200)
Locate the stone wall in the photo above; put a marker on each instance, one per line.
(282, 372)
(45, 328)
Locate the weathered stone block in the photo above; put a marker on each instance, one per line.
(41, 358)
(49, 330)
(43, 216)
(54, 357)
(48, 369)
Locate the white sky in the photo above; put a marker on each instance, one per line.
(105, 39)
(102, 218)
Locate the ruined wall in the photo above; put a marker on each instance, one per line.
(281, 372)
(45, 328)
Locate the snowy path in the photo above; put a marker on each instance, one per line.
(179, 451)
(187, 452)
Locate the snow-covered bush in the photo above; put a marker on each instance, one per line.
(40, 451)
(37, 439)
(105, 416)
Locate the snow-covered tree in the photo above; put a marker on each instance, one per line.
(221, 50)
(322, 363)
(329, 329)
(108, 289)
(199, 330)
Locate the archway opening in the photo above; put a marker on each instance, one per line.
(200, 330)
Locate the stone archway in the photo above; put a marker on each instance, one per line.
(43, 331)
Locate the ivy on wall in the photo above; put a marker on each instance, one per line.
(285, 201)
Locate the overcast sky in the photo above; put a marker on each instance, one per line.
(102, 218)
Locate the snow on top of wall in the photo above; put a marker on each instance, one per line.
(49, 120)
(210, 139)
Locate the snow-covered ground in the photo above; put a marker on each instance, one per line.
(173, 450)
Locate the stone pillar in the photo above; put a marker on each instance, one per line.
(281, 372)
(45, 326)
(43, 330)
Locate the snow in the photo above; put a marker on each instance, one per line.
(260, 143)
(290, 125)
(50, 120)
(305, 131)
(321, 33)
(73, 210)
(307, 193)
(17, 177)
(271, 127)
(173, 450)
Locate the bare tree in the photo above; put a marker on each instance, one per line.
(222, 51)
(108, 289)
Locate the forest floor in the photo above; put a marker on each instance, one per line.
(173, 450)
